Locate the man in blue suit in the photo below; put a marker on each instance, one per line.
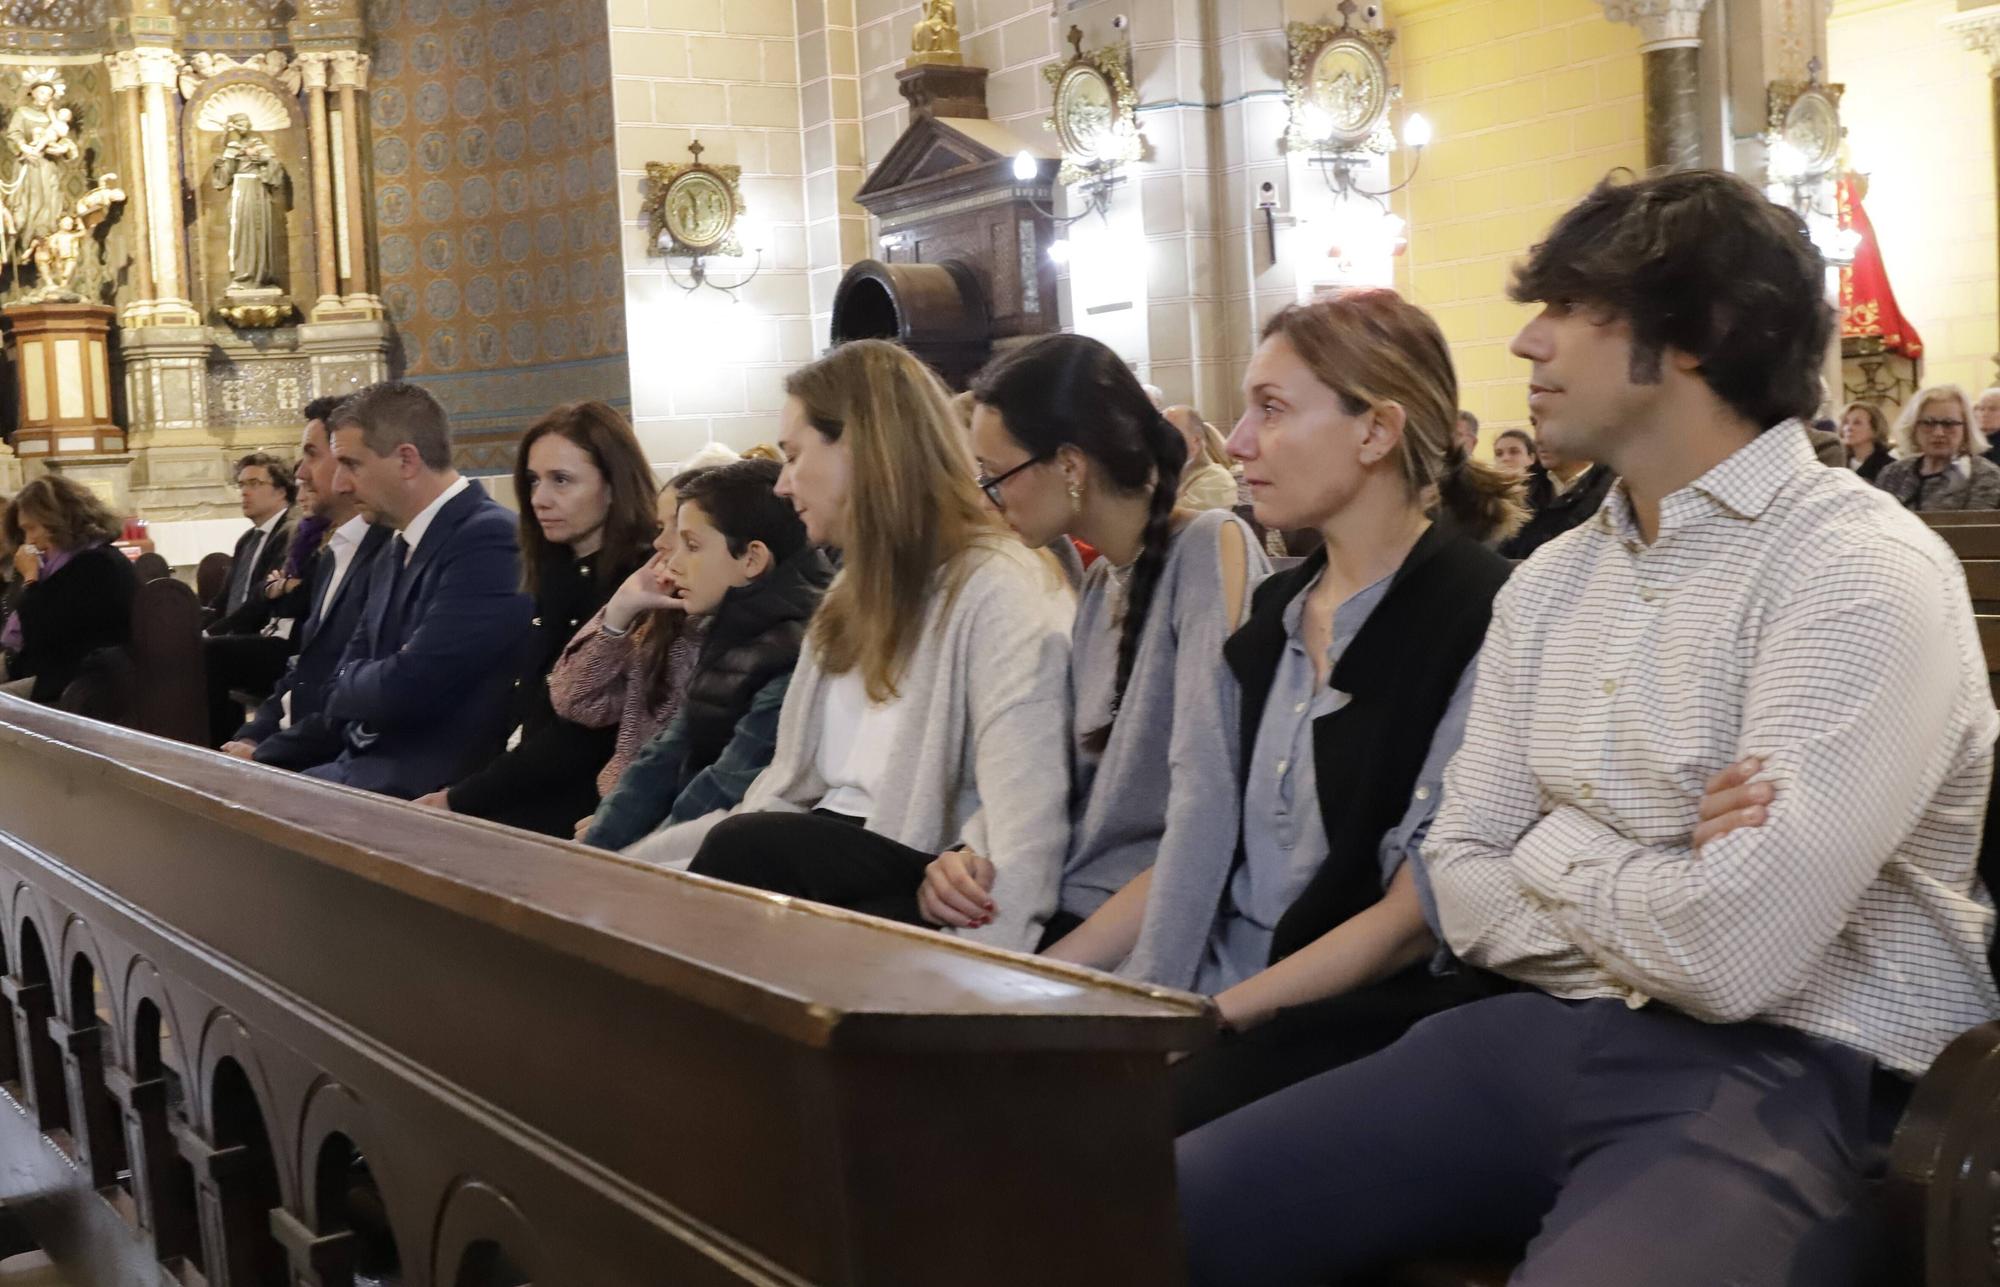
(421, 696)
(288, 730)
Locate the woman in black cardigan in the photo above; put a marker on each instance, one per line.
(1864, 433)
(587, 523)
(77, 589)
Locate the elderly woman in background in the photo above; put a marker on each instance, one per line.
(77, 589)
(1864, 435)
(1944, 465)
(1206, 481)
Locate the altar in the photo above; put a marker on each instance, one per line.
(184, 254)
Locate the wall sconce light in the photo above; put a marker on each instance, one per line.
(1098, 179)
(695, 212)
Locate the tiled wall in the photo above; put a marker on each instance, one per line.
(1533, 103)
(726, 71)
(495, 212)
(1919, 123)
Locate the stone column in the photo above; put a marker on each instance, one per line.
(124, 72)
(313, 67)
(158, 70)
(1980, 29)
(350, 77)
(1670, 44)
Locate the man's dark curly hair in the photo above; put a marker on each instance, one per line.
(1699, 261)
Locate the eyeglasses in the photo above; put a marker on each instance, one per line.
(1931, 422)
(991, 486)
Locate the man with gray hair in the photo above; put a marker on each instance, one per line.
(421, 696)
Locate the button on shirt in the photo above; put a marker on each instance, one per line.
(1284, 839)
(1618, 676)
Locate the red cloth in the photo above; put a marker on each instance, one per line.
(1867, 304)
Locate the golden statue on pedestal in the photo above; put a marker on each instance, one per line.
(936, 38)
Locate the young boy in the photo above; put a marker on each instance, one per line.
(743, 561)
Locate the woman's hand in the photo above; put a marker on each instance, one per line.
(641, 592)
(582, 827)
(955, 888)
(28, 562)
(1731, 801)
(435, 800)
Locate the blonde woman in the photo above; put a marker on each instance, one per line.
(930, 709)
(1864, 438)
(1206, 482)
(1944, 465)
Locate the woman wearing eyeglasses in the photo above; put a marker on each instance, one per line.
(930, 708)
(1944, 464)
(1067, 442)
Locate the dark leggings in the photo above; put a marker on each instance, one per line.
(827, 857)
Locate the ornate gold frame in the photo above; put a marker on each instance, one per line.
(1123, 142)
(1309, 42)
(662, 180)
(1789, 100)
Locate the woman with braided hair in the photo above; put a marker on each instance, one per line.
(1068, 443)
(1315, 932)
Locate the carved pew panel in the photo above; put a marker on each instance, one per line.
(516, 1060)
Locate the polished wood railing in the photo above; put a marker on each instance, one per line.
(264, 1031)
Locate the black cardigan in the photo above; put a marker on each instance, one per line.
(1400, 673)
(85, 605)
(549, 779)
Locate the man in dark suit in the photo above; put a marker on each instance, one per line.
(268, 490)
(245, 647)
(421, 696)
(287, 730)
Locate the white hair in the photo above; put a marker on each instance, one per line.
(1906, 423)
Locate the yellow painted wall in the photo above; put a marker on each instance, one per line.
(1919, 125)
(1533, 101)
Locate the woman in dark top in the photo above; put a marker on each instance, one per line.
(1864, 434)
(1315, 936)
(587, 523)
(77, 588)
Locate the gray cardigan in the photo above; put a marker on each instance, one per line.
(980, 759)
(1165, 784)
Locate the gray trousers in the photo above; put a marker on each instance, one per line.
(1631, 1147)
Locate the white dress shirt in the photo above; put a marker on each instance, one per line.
(345, 543)
(413, 533)
(1619, 676)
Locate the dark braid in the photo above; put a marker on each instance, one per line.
(1169, 457)
(1072, 391)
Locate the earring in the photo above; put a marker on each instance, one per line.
(1075, 497)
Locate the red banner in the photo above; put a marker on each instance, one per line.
(1867, 304)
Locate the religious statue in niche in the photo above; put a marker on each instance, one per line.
(246, 263)
(936, 38)
(40, 140)
(253, 176)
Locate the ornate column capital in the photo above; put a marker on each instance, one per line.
(1980, 30)
(350, 69)
(158, 66)
(1662, 24)
(123, 66)
(313, 69)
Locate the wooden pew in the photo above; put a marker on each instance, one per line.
(1972, 541)
(264, 1030)
(1962, 517)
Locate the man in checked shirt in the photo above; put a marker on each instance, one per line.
(1717, 810)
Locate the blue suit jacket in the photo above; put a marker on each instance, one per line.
(423, 693)
(323, 636)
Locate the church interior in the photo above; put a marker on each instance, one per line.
(256, 1031)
